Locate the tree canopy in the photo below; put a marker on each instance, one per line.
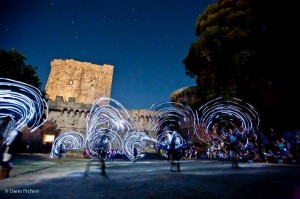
(242, 51)
(12, 66)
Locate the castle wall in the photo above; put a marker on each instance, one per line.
(68, 116)
(81, 81)
(141, 117)
(72, 88)
(72, 116)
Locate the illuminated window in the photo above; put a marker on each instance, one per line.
(48, 138)
(71, 82)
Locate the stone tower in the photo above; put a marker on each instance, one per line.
(78, 82)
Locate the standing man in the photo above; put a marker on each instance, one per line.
(102, 157)
(6, 126)
(174, 154)
(61, 152)
(102, 153)
(10, 148)
(135, 154)
(233, 150)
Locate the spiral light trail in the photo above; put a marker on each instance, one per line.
(169, 116)
(140, 140)
(109, 125)
(23, 103)
(239, 114)
(108, 117)
(69, 141)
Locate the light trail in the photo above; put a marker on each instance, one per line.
(108, 117)
(23, 103)
(237, 113)
(70, 141)
(169, 116)
(109, 125)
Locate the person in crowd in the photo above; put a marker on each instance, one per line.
(296, 148)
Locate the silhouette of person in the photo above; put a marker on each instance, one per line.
(3, 124)
(102, 157)
(10, 148)
(61, 150)
(135, 153)
(174, 154)
(233, 151)
(102, 153)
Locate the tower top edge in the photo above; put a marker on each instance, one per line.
(82, 62)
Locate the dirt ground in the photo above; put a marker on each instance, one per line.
(38, 176)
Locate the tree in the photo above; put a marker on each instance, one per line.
(12, 66)
(237, 50)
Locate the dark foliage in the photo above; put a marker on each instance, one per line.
(12, 66)
(245, 49)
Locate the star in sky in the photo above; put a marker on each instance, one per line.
(145, 41)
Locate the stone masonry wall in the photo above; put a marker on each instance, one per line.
(68, 116)
(81, 81)
(72, 116)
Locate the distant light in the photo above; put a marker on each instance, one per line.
(48, 138)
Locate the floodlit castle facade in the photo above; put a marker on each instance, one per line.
(71, 89)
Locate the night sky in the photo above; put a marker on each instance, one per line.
(146, 41)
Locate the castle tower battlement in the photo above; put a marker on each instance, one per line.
(82, 81)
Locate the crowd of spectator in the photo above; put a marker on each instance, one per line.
(250, 146)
